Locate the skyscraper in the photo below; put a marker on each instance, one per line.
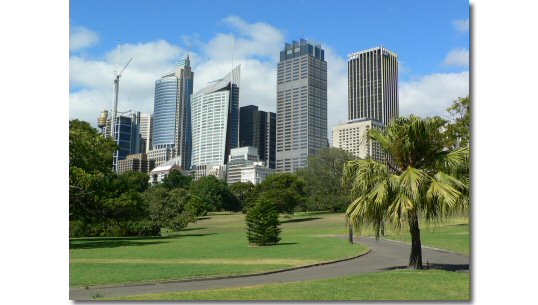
(127, 136)
(373, 85)
(258, 129)
(171, 117)
(146, 123)
(215, 120)
(301, 104)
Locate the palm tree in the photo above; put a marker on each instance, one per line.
(420, 177)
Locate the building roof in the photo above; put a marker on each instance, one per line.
(232, 77)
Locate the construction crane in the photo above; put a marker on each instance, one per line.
(115, 108)
(116, 90)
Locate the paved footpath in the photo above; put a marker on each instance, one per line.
(384, 255)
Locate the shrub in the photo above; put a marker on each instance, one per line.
(262, 223)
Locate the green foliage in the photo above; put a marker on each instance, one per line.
(421, 180)
(215, 194)
(323, 177)
(285, 190)
(173, 209)
(243, 192)
(458, 129)
(130, 181)
(176, 179)
(262, 223)
(90, 170)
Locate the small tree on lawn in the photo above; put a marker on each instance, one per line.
(262, 223)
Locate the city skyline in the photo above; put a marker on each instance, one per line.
(433, 71)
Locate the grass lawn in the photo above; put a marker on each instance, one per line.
(215, 245)
(452, 235)
(390, 285)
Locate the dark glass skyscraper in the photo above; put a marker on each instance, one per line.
(301, 104)
(258, 129)
(127, 135)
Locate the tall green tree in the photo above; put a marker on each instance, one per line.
(285, 190)
(323, 176)
(421, 179)
(459, 126)
(262, 223)
(90, 170)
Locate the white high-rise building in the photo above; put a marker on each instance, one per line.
(146, 122)
(244, 165)
(215, 120)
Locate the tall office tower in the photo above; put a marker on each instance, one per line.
(215, 120)
(145, 132)
(373, 85)
(258, 129)
(171, 113)
(301, 104)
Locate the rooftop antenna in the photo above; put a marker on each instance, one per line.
(233, 39)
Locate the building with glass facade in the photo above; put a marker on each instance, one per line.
(215, 120)
(373, 85)
(127, 136)
(301, 117)
(171, 112)
(258, 128)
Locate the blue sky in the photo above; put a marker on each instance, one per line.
(431, 39)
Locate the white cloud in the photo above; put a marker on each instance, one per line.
(457, 58)
(93, 79)
(257, 47)
(81, 37)
(461, 25)
(430, 95)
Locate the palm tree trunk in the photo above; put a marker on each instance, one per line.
(350, 234)
(415, 259)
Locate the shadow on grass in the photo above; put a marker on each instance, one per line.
(314, 213)
(192, 229)
(300, 219)
(445, 267)
(203, 218)
(111, 243)
(194, 234)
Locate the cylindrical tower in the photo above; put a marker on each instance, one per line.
(101, 121)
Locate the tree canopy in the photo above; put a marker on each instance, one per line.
(90, 170)
(323, 176)
(285, 190)
(215, 194)
(458, 128)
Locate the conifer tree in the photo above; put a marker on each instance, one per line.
(262, 223)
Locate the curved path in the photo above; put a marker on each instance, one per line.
(384, 255)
